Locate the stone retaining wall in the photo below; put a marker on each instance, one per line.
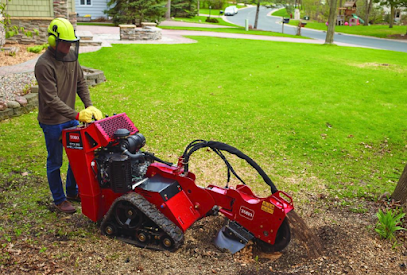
(35, 23)
(2, 35)
(29, 24)
(130, 32)
(29, 102)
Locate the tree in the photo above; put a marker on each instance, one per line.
(368, 8)
(400, 193)
(331, 22)
(404, 4)
(168, 11)
(393, 4)
(183, 8)
(257, 14)
(135, 11)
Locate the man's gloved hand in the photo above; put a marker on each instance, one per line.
(85, 116)
(95, 112)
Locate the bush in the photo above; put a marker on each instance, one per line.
(37, 49)
(211, 20)
(389, 223)
(215, 4)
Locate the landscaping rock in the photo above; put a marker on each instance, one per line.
(13, 104)
(34, 89)
(3, 105)
(31, 98)
(21, 100)
(7, 113)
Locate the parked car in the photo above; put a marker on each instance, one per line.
(231, 10)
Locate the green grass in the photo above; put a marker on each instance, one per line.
(327, 119)
(238, 30)
(96, 24)
(217, 11)
(213, 11)
(281, 12)
(201, 19)
(381, 31)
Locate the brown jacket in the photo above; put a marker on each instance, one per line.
(58, 84)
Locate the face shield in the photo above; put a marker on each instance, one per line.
(66, 51)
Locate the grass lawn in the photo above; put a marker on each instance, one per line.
(239, 30)
(328, 120)
(96, 24)
(201, 19)
(281, 12)
(213, 11)
(235, 29)
(380, 31)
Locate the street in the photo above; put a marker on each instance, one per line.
(273, 23)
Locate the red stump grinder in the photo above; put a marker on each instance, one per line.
(143, 200)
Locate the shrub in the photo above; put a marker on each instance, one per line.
(389, 223)
(211, 20)
(37, 49)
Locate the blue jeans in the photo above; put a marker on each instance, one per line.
(53, 142)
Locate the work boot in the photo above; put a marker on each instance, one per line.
(65, 207)
(74, 198)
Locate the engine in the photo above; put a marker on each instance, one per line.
(121, 164)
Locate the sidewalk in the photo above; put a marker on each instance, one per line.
(111, 35)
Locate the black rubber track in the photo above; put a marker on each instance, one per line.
(151, 212)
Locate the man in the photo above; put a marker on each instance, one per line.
(60, 78)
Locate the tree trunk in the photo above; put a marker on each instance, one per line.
(391, 19)
(368, 9)
(168, 11)
(257, 14)
(400, 193)
(197, 5)
(331, 22)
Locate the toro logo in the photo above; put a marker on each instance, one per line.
(74, 137)
(246, 213)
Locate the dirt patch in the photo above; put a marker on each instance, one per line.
(12, 54)
(398, 36)
(37, 240)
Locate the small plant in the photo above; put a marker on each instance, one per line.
(11, 30)
(211, 20)
(37, 49)
(389, 223)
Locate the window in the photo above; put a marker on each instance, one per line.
(86, 2)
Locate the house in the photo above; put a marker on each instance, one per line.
(90, 9)
(398, 13)
(37, 15)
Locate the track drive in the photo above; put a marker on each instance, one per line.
(136, 221)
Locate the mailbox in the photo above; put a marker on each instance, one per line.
(286, 20)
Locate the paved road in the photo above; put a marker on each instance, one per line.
(273, 23)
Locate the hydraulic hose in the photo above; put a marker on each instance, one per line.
(219, 146)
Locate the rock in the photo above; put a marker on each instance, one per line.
(13, 104)
(34, 89)
(21, 100)
(32, 98)
(3, 105)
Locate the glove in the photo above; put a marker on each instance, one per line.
(95, 112)
(85, 116)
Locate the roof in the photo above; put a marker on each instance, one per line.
(349, 4)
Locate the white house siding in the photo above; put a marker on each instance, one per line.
(95, 10)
